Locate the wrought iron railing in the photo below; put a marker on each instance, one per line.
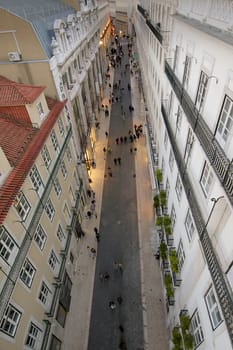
(218, 277)
(218, 159)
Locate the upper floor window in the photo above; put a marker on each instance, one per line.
(180, 255)
(45, 294)
(40, 237)
(10, 320)
(7, 245)
(21, 205)
(68, 154)
(225, 121)
(178, 118)
(187, 69)
(61, 127)
(57, 187)
(179, 187)
(34, 337)
(53, 261)
(167, 188)
(165, 139)
(54, 141)
(213, 309)
(197, 329)
(171, 159)
(49, 209)
(27, 273)
(40, 110)
(173, 217)
(46, 156)
(189, 145)
(35, 178)
(201, 92)
(206, 178)
(60, 234)
(63, 169)
(189, 225)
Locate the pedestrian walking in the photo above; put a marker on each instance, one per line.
(96, 230)
(104, 150)
(112, 305)
(93, 251)
(97, 237)
(101, 277)
(117, 140)
(121, 328)
(106, 134)
(131, 150)
(115, 161)
(89, 214)
(106, 276)
(122, 140)
(119, 160)
(110, 173)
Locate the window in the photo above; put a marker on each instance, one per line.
(53, 260)
(57, 187)
(10, 320)
(76, 179)
(171, 160)
(49, 209)
(33, 339)
(21, 205)
(68, 153)
(165, 139)
(213, 309)
(40, 110)
(40, 237)
(179, 187)
(206, 178)
(180, 255)
(178, 119)
(226, 120)
(27, 273)
(189, 145)
(189, 225)
(45, 294)
(173, 217)
(201, 92)
(187, 68)
(60, 234)
(7, 245)
(61, 127)
(35, 178)
(54, 141)
(176, 57)
(63, 169)
(55, 343)
(46, 156)
(71, 258)
(196, 329)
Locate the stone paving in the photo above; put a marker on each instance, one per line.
(154, 313)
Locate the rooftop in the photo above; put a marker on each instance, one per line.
(41, 14)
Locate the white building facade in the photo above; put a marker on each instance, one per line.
(186, 70)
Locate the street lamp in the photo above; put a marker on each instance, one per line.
(215, 201)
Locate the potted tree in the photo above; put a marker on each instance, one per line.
(169, 288)
(186, 333)
(177, 339)
(159, 176)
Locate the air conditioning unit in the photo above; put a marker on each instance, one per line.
(14, 56)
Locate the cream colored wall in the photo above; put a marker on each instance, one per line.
(4, 166)
(31, 70)
(33, 111)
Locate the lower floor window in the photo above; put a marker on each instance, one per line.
(197, 329)
(213, 309)
(10, 320)
(33, 338)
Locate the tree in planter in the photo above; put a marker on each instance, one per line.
(185, 328)
(177, 339)
(163, 251)
(156, 202)
(174, 261)
(159, 175)
(167, 225)
(168, 286)
(159, 221)
(163, 198)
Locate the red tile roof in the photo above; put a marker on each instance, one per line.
(28, 153)
(15, 94)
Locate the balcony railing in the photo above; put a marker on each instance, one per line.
(142, 11)
(218, 277)
(220, 163)
(154, 28)
(26, 243)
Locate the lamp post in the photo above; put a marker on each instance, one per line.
(215, 201)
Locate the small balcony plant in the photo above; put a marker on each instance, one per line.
(163, 251)
(168, 285)
(159, 176)
(186, 333)
(177, 339)
(174, 262)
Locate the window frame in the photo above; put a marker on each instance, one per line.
(196, 328)
(5, 319)
(9, 252)
(188, 223)
(21, 205)
(181, 255)
(57, 187)
(223, 124)
(201, 91)
(49, 209)
(209, 308)
(40, 110)
(54, 140)
(38, 232)
(63, 169)
(171, 160)
(46, 156)
(45, 295)
(53, 260)
(35, 341)
(28, 276)
(207, 178)
(36, 179)
(179, 187)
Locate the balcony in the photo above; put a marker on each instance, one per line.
(155, 29)
(217, 158)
